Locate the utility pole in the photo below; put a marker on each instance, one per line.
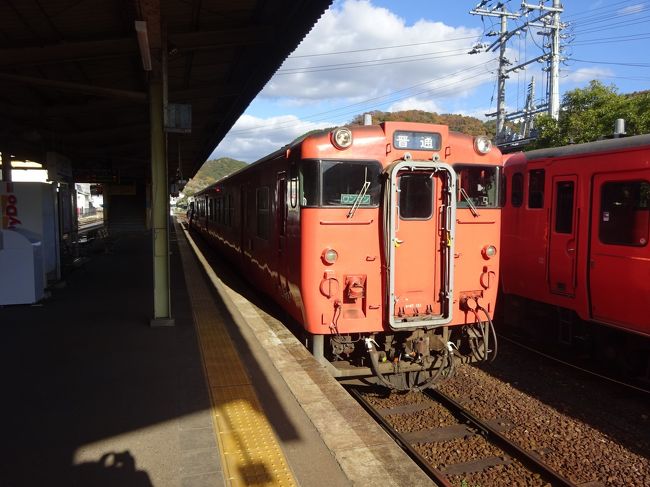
(548, 21)
(554, 89)
(502, 76)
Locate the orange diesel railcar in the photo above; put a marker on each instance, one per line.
(381, 240)
(575, 236)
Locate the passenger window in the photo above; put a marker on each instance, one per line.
(309, 183)
(564, 207)
(415, 197)
(229, 210)
(262, 200)
(536, 188)
(517, 193)
(624, 213)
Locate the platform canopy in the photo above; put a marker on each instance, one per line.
(74, 75)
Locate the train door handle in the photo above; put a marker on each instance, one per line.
(571, 246)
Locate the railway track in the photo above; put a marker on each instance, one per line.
(490, 454)
(584, 370)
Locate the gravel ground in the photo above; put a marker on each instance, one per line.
(584, 428)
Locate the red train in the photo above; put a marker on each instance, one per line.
(575, 236)
(380, 240)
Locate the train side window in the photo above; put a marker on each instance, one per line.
(293, 186)
(309, 183)
(564, 207)
(415, 197)
(624, 213)
(517, 191)
(536, 188)
(229, 210)
(262, 204)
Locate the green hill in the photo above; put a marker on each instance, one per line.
(458, 123)
(212, 171)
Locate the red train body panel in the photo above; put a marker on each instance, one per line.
(369, 239)
(576, 230)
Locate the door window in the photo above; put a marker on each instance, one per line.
(564, 207)
(415, 197)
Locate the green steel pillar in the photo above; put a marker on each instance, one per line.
(159, 209)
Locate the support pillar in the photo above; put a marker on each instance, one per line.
(159, 209)
(6, 165)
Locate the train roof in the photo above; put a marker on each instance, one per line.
(590, 147)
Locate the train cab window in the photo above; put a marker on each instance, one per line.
(478, 186)
(415, 196)
(263, 217)
(345, 182)
(624, 213)
(517, 191)
(564, 207)
(536, 188)
(340, 183)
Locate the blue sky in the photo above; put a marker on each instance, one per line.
(394, 55)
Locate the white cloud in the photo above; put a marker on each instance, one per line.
(253, 137)
(436, 51)
(587, 74)
(632, 9)
(415, 103)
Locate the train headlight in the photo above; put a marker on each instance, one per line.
(342, 138)
(482, 144)
(489, 251)
(329, 256)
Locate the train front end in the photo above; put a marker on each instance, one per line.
(395, 299)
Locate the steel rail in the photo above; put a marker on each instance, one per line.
(422, 462)
(500, 440)
(573, 366)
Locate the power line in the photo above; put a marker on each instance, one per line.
(371, 62)
(606, 7)
(636, 65)
(608, 40)
(388, 98)
(612, 25)
(381, 48)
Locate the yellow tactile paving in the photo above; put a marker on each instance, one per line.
(249, 449)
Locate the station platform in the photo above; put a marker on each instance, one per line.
(93, 396)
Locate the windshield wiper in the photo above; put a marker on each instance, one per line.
(362, 193)
(472, 208)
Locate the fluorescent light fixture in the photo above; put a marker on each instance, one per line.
(143, 43)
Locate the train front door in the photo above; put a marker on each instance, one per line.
(419, 243)
(563, 236)
(619, 262)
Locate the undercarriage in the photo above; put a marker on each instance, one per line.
(406, 360)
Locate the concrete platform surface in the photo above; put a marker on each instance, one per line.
(93, 396)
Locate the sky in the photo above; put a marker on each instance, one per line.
(392, 55)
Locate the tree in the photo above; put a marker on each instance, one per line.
(589, 114)
(458, 123)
